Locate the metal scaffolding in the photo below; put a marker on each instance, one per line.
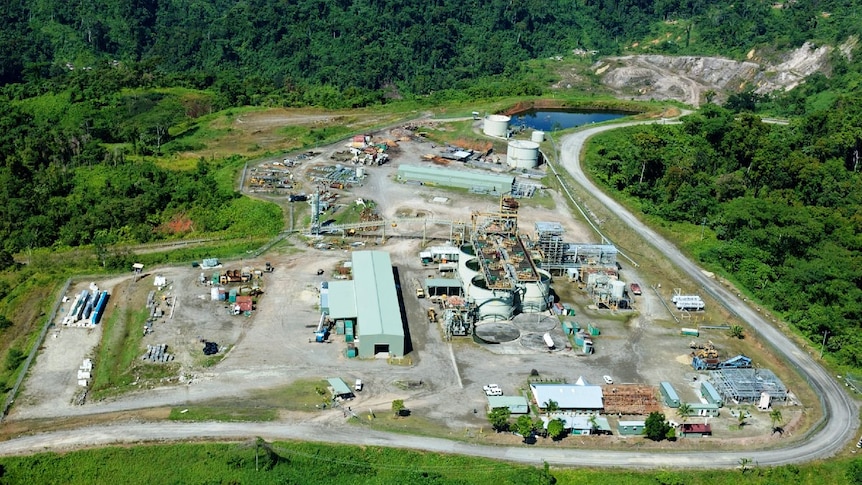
(747, 385)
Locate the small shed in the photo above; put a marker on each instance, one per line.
(668, 394)
(443, 286)
(340, 389)
(516, 404)
(708, 391)
(631, 428)
(695, 430)
(704, 409)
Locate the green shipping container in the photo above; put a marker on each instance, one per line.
(232, 295)
(594, 331)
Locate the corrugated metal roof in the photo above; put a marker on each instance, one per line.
(516, 404)
(341, 300)
(568, 396)
(442, 282)
(339, 387)
(374, 284)
(457, 178)
(578, 422)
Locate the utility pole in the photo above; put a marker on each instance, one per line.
(702, 227)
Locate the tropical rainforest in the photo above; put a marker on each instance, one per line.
(96, 95)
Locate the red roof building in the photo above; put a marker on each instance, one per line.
(696, 429)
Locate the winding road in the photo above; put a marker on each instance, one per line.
(826, 438)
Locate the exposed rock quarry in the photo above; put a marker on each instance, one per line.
(686, 78)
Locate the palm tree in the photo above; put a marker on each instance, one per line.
(594, 424)
(683, 411)
(776, 418)
(551, 406)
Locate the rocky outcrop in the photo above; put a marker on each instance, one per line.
(687, 78)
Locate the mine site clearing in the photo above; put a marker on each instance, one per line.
(512, 294)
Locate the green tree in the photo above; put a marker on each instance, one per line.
(551, 406)
(854, 472)
(684, 411)
(499, 418)
(524, 427)
(737, 331)
(594, 423)
(740, 418)
(656, 427)
(398, 406)
(775, 417)
(556, 429)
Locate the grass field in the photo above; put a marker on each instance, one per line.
(257, 461)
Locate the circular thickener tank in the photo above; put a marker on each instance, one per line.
(468, 268)
(492, 304)
(523, 154)
(466, 253)
(497, 125)
(538, 136)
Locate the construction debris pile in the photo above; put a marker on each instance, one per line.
(268, 179)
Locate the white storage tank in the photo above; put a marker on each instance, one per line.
(535, 294)
(523, 154)
(617, 288)
(538, 136)
(492, 304)
(497, 125)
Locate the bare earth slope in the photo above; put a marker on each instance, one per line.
(687, 78)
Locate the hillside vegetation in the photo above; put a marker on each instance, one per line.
(782, 205)
(410, 47)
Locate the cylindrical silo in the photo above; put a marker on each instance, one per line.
(535, 294)
(523, 154)
(491, 304)
(497, 125)
(538, 136)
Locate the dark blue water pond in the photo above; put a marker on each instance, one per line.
(550, 120)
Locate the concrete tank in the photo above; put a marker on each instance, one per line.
(538, 136)
(492, 304)
(468, 269)
(523, 154)
(497, 125)
(535, 294)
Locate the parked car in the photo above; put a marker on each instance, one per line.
(608, 379)
(492, 390)
(636, 288)
(358, 385)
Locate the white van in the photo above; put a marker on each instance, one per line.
(358, 385)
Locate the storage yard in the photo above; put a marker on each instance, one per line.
(510, 292)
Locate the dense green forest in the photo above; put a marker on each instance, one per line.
(400, 46)
(783, 202)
